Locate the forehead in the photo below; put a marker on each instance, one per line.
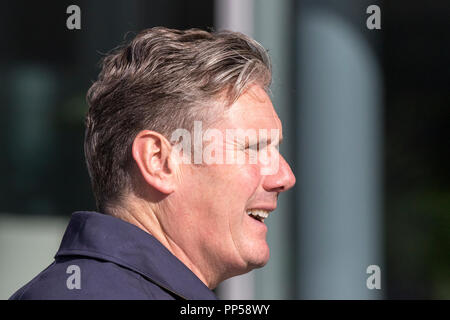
(253, 110)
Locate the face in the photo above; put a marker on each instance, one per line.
(213, 200)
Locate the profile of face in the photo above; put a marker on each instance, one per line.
(215, 205)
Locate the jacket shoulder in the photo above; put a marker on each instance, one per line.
(85, 278)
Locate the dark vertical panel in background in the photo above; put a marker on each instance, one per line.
(417, 120)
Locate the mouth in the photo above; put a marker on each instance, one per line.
(258, 214)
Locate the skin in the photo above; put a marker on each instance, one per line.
(198, 212)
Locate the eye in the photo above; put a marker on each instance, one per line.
(256, 147)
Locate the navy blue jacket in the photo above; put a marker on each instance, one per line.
(115, 260)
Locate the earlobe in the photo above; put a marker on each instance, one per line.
(151, 151)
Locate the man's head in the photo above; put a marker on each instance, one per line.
(164, 81)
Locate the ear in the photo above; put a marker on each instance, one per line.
(152, 153)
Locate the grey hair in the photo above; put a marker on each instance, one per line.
(162, 80)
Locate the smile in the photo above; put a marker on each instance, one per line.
(258, 214)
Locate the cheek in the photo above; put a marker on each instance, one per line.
(249, 179)
(240, 189)
(221, 191)
(233, 179)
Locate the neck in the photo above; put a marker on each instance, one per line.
(146, 218)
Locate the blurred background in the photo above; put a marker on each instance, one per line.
(365, 116)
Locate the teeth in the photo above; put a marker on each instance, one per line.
(263, 214)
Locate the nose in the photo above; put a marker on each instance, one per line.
(282, 180)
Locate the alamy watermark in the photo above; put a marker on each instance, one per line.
(374, 20)
(74, 280)
(73, 21)
(374, 280)
(230, 146)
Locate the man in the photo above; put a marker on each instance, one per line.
(175, 217)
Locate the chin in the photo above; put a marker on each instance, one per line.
(259, 258)
(252, 262)
(251, 255)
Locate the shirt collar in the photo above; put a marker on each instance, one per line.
(105, 237)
